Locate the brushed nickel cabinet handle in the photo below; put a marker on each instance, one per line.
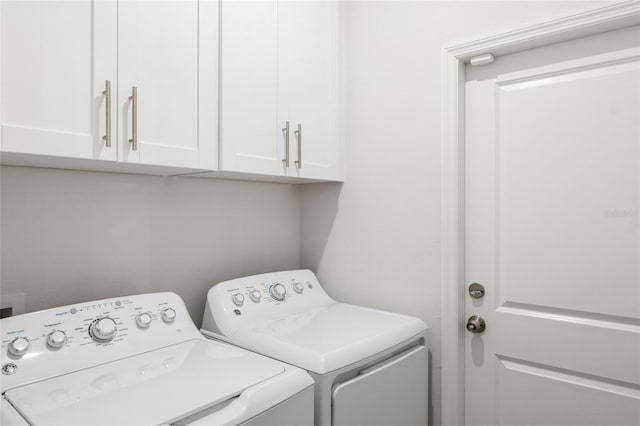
(285, 131)
(134, 118)
(107, 93)
(299, 139)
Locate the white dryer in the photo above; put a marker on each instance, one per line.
(139, 360)
(370, 366)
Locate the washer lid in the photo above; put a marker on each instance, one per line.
(157, 387)
(328, 337)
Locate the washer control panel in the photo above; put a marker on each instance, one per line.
(61, 340)
(270, 292)
(231, 304)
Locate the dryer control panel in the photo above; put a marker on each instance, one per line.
(233, 303)
(57, 341)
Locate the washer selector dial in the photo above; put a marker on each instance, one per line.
(277, 291)
(168, 315)
(143, 320)
(238, 299)
(103, 329)
(19, 346)
(298, 287)
(255, 295)
(56, 339)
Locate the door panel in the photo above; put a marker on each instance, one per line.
(390, 393)
(551, 231)
(549, 396)
(56, 57)
(590, 173)
(308, 75)
(158, 53)
(250, 135)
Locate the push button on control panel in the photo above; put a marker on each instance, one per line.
(9, 368)
(298, 287)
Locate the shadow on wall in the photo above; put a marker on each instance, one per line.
(319, 208)
(70, 236)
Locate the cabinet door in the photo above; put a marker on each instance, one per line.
(251, 136)
(309, 50)
(167, 50)
(56, 58)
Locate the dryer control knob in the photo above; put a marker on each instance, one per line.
(143, 320)
(298, 287)
(255, 295)
(103, 330)
(277, 291)
(168, 315)
(238, 299)
(56, 339)
(19, 346)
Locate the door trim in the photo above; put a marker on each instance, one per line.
(454, 57)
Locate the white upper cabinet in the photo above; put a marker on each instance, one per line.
(58, 55)
(281, 64)
(253, 140)
(167, 51)
(56, 59)
(143, 84)
(309, 85)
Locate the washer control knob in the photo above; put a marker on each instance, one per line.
(143, 320)
(168, 315)
(255, 295)
(103, 329)
(56, 339)
(298, 287)
(277, 291)
(19, 346)
(238, 299)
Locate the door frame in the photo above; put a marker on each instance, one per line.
(454, 58)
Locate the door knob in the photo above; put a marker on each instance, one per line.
(476, 324)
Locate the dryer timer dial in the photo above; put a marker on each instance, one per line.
(278, 292)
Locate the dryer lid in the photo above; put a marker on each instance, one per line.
(157, 387)
(328, 337)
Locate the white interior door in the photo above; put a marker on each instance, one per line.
(309, 84)
(250, 135)
(552, 195)
(162, 54)
(56, 58)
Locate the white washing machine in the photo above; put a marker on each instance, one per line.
(139, 360)
(370, 366)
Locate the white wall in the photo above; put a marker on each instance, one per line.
(74, 236)
(70, 236)
(376, 239)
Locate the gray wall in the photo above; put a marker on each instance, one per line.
(70, 236)
(376, 239)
